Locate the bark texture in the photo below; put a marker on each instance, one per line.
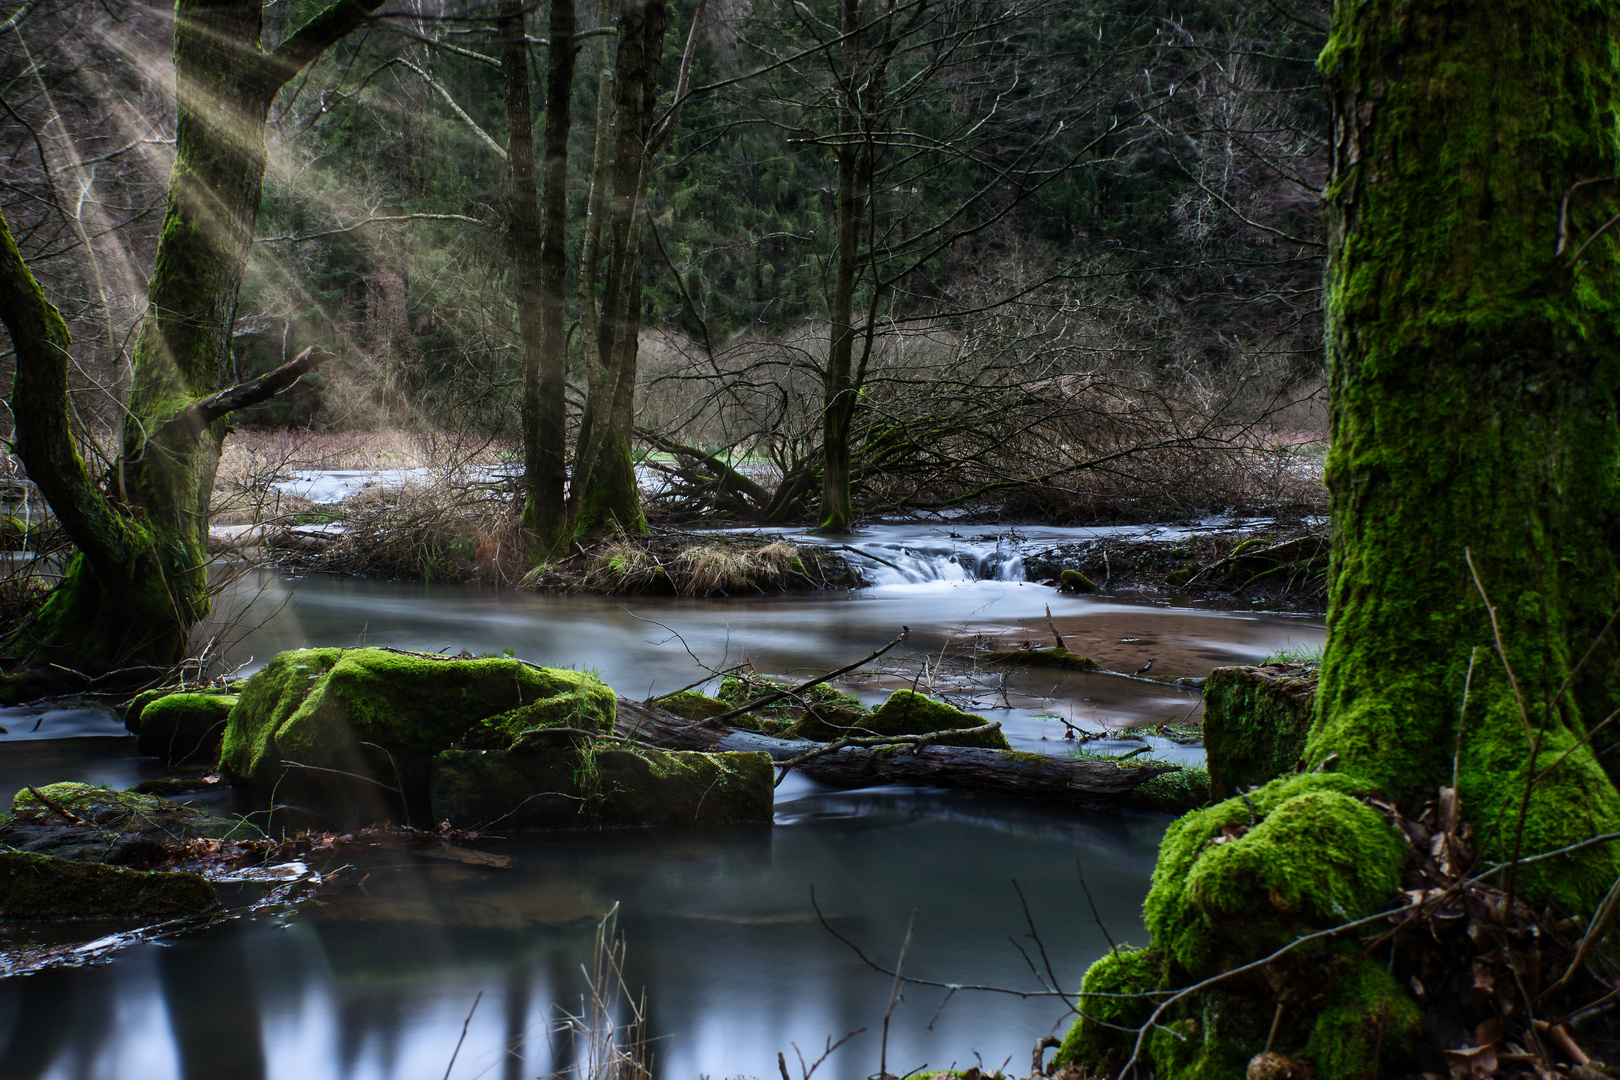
(605, 496)
(139, 581)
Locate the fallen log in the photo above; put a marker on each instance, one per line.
(1062, 780)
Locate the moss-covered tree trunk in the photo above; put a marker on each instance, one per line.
(1474, 354)
(535, 238)
(139, 580)
(605, 496)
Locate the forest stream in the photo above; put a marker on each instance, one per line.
(721, 928)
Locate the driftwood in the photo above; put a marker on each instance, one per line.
(1066, 781)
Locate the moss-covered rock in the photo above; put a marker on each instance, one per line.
(596, 785)
(1172, 792)
(94, 824)
(831, 720)
(1315, 857)
(1256, 721)
(352, 733)
(37, 886)
(691, 705)
(1073, 581)
(1235, 882)
(910, 713)
(1113, 1000)
(182, 728)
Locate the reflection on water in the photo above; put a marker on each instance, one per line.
(720, 932)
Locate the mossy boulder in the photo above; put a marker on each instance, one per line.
(1235, 882)
(598, 785)
(1073, 581)
(181, 728)
(1113, 1000)
(352, 733)
(36, 886)
(1256, 721)
(94, 824)
(910, 713)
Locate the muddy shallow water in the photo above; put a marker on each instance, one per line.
(719, 926)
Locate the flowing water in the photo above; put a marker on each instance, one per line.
(721, 927)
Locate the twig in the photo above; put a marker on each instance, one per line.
(894, 998)
(1053, 626)
(791, 691)
(54, 805)
(1096, 916)
(464, 1025)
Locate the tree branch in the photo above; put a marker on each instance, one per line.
(205, 412)
(307, 43)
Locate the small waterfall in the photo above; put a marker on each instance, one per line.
(919, 562)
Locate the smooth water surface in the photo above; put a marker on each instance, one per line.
(720, 934)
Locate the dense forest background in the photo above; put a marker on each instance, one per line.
(1089, 264)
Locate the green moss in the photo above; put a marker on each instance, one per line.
(383, 714)
(182, 727)
(910, 713)
(1255, 725)
(1369, 1022)
(128, 813)
(691, 705)
(1112, 998)
(1316, 857)
(612, 501)
(1076, 582)
(1177, 578)
(1172, 792)
(828, 721)
(35, 886)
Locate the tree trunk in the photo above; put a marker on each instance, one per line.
(535, 238)
(1474, 362)
(839, 391)
(139, 581)
(1471, 298)
(606, 496)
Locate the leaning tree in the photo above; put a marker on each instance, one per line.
(138, 581)
(1470, 668)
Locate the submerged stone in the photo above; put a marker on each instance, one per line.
(38, 886)
(1256, 720)
(351, 733)
(549, 788)
(910, 713)
(181, 728)
(85, 823)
